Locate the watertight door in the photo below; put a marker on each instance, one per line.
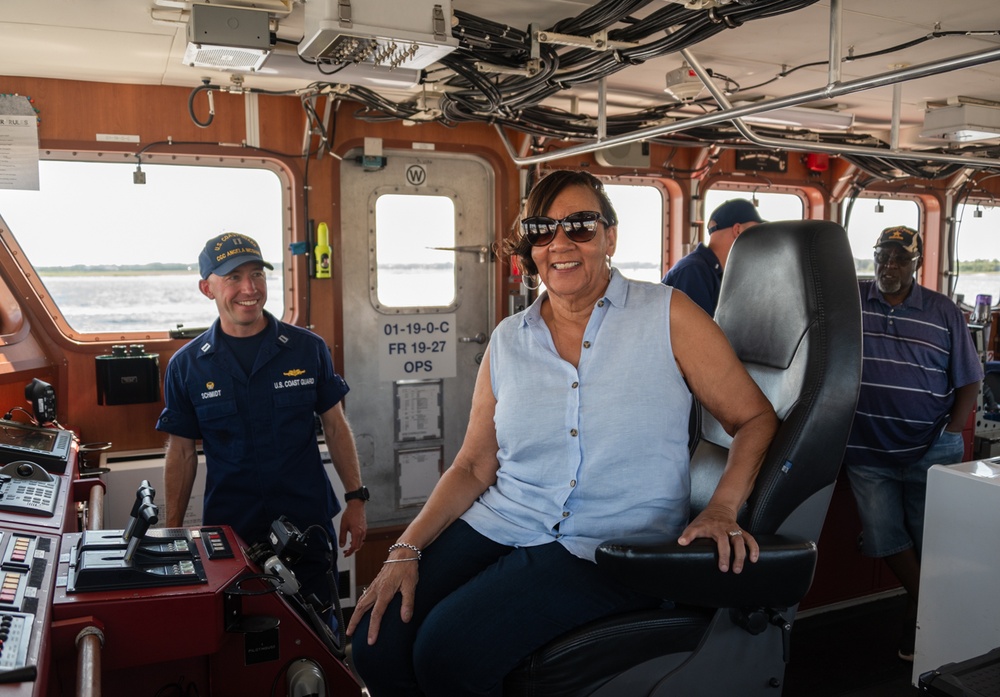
(418, 306)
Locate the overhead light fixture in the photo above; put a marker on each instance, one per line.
(227, 38)
(683, 84)
(804, 117)
(383, 33)
(879, 208)
(978, 213)
(962, 123)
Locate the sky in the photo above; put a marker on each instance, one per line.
(97, 215)
(70, 220)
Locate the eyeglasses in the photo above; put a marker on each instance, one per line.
(884, 258)
(581, 226)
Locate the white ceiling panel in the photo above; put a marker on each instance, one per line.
(129, 41)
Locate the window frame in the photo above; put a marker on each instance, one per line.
(458, 214)
(218, 157)
(874, 197)
(665, 197)
(754, 189)
(962, 208)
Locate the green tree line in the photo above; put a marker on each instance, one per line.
(973, 266)
(979, 266)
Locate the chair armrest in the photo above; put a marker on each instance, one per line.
(656, 565)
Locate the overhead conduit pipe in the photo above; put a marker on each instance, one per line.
(833, 89)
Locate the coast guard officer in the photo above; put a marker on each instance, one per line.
(249, 388)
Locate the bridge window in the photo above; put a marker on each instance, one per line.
(770, 205)
(977, 250)
(415, 250)
(641, 213)
(116, 257)
(867, 221)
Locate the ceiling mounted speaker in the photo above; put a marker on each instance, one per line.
(227, 38)
(630, 155)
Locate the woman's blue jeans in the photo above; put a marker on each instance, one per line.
(480, 607)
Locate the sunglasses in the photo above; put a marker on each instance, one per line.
(884, 258)
(581, 226)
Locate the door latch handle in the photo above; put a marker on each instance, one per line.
(479, 338)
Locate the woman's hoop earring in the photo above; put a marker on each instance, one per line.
(538, 282)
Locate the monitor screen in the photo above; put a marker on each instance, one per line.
(29, 439)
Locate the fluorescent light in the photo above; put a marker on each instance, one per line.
(962, 123)
(803, 117)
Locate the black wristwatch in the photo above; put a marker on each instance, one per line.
(360, 494)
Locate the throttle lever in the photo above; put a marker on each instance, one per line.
(148, 516)
(144, 495)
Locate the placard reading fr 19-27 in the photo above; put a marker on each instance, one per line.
(417, 347)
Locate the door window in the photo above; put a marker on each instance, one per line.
(414, 251)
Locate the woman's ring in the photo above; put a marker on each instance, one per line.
(735, 533)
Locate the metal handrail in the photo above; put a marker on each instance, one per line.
(89, 643)
(95, 509)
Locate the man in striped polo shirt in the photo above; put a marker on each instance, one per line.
(920, 379)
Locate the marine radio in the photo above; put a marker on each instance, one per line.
(27, 488)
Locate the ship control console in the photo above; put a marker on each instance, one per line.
(138, 556)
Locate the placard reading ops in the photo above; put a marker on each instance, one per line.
(417, 347)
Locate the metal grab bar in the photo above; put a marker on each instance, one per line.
(95, 509)
(827, 92)
(89, 642)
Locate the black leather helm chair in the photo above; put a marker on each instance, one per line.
(789, 306)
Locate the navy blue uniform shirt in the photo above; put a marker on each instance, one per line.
(699, 276)
(258, 431)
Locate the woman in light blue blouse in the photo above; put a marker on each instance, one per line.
(578, 433)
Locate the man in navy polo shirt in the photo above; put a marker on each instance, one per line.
(249, 388)
(699, 274)
(919, 382)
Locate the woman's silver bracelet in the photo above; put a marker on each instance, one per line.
(406, 545)
(396, 561)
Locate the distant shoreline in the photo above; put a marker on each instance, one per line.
(112, 272)
(109, 270)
